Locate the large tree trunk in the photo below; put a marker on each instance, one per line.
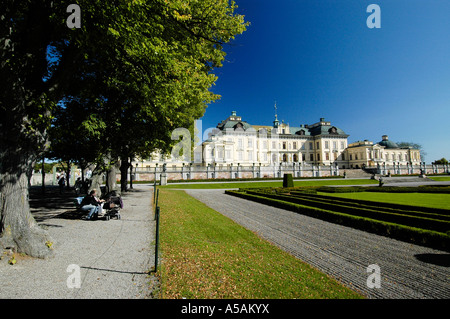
(19, 229)
(96, 179)
(111, 176)
(124, 174)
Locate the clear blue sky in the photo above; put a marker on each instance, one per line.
(318, 58)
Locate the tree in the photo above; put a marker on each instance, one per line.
(143, 68)
(442, 161)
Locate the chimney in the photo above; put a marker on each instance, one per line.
(384, 137)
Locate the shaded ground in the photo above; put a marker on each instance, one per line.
(113, 257)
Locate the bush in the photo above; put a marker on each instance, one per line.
(288, 181)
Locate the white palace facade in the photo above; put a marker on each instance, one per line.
(235, 142)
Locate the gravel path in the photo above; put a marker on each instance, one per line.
(112, 257)
(406, 270)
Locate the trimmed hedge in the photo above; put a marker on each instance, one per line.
(427, 210)
(414, 235)
(288, 181)
(379, 206)
(386, 189)
(403, 218)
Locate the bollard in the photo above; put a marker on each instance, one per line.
(156, 202)
(157, 239)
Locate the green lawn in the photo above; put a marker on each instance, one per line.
(206, 255)
(440, 178)
(271, 184)
(415, 199)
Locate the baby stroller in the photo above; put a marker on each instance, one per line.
(113, 204)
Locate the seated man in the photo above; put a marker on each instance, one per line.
(92, 204)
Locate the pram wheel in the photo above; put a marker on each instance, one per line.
(107, 217)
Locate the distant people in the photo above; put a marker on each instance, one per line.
(61, 183)
(92, 204)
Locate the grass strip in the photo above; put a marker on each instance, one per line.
(207, 255)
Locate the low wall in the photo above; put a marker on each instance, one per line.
(250, 172)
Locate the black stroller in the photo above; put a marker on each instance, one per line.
(113, 204)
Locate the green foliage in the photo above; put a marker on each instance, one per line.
(442, 161)
(288, 181)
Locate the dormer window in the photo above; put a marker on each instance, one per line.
(239, 127)
(332, 130)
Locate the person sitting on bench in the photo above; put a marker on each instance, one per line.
(92, 204)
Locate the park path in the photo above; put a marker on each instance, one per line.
(114, 257)
(407, 270)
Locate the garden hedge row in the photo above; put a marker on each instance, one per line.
(428, 210)
(379, 206)
(414, 235)
(386, 189)
(403, 218)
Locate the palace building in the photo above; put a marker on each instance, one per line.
(239, 143)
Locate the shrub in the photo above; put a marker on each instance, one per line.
(288, 181)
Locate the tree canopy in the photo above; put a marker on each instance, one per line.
(132, 73)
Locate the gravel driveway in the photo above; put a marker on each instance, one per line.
(112, 258)
(406, 270)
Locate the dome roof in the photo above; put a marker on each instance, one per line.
(388, 144)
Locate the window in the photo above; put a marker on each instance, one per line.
(310, 145)
(295, 145)
(265, 144)
(274, 145)
(240, 143)
(342, 145)
(311, 157)
(240, 155)
(317, 145)
(284, 145)
(327, 156)
(327, 146)
(334, 145)
(250, 156)
(250, 144)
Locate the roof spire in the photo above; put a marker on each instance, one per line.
(276, 122)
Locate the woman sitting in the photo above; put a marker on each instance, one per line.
(92, 204)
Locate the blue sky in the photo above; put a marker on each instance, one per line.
(318, 58)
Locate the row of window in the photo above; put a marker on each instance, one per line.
(379, 155)
(294, 145)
